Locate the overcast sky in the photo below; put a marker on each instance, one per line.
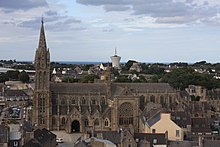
(90, 30)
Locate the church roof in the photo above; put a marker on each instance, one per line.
(117, 88)
(79, 88)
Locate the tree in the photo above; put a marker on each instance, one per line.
(24, 77)
(13, 74)
(182, 77)
(123, 79)
(70, 80)
(3, 77)
(89, 78)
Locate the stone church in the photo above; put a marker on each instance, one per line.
(82, 107)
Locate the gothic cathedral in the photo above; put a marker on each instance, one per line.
(82, 107)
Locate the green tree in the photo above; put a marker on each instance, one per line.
(13, 74)
(70, 80)
(182, 77)
(123, 79)
(89, 78)
(24, 77)
(3, 77)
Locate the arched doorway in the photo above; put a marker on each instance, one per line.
(75, 126)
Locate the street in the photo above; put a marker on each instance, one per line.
(68, 139)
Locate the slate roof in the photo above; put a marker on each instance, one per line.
(145, 87)
(200, 125)
(154, 119)
(160, 137)
(181, 118)
(43, 135)
(4, 133)
(211, 143)
(32, 143)
(77, 88)
(116, 88)
(112, 136)
(15, 93)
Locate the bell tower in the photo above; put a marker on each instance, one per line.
(41, 100)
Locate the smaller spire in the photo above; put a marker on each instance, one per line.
(42, 19)
(42, 40)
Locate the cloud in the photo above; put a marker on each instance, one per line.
(22, 4)
(165, 11)
(116, 8)
(55, 23)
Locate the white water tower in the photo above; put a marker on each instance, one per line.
(116, 60)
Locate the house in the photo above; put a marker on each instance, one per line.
(128, 138)
(136, 67)
(161, 123)
(182, 119)
(42, 138)
(4, 135)
(200, 127)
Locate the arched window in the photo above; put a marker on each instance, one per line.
(93, 101)
(152, 98)
(106, 122)
(86, 123)
(63, 101)
(170, 99)
(103, 100)
(126, 114)
(73, 101)
(63, 121)
(53, 121)
(162, 99)
(96, 122)
(83, 101)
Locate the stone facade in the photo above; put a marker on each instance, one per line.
(42, 101)
(83, 107)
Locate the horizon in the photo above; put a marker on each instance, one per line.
(107, 62)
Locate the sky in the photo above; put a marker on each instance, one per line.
(90, 30)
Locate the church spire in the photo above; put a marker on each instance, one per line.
(42, 40)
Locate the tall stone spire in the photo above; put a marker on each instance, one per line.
(42, 40)
(41, 101)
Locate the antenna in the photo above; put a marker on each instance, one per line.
(115, 50)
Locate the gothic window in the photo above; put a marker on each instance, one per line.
(63, 121)
(126, 114)
(42, 121)
(106, 122)
(41, 103)
(152, 98)
(170, 99)
(103, 101)
(93, 101)
(96, 122)
(73, 101)
(83, 101)
(162, 99)
(86, 123)
(53, 121)
(62, 101)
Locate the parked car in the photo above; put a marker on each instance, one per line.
(59, 140)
